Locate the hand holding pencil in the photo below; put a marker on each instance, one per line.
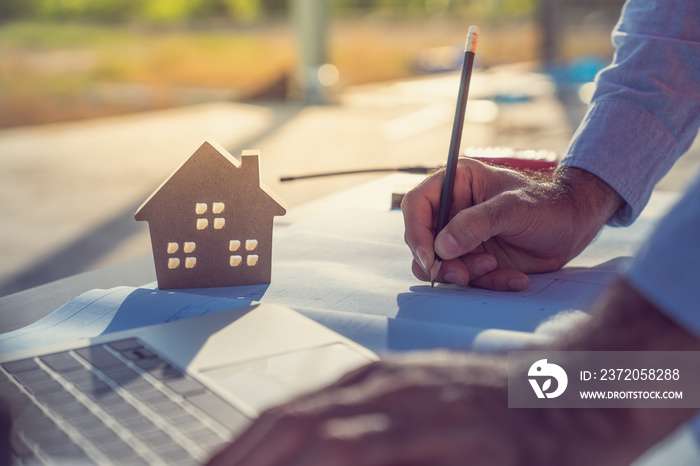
(495, 225)
(504, 223)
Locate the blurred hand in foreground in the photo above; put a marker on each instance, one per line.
(452, 409)
(505, 224)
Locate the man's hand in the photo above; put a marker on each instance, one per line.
(452, 409)
(505, 224)
(434, 409)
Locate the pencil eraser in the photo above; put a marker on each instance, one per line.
(472, 37)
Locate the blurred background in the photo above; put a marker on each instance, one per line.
(101, 99)
(72, 59)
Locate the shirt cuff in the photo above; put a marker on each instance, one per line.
(628, 148)
(667, 268)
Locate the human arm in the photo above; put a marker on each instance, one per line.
(645, 113)
(452, 408)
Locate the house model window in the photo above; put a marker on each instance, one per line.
(201, 208)
(173, 249)
(235, 260)
(211, 222)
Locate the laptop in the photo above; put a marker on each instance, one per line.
(172, 393)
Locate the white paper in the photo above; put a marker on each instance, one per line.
(350, 271)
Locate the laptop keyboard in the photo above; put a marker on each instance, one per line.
(115, 403)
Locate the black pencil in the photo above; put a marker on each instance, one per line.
(453, 155)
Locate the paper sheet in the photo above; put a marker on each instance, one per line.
(351, 272)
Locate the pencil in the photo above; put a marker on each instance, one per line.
(451, 167)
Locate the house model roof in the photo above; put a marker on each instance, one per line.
(211, 221)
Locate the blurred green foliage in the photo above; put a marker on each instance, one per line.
(152, 11)
(179, 11)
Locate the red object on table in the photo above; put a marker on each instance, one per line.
(521, 160)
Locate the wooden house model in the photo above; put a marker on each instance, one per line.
(211, 222)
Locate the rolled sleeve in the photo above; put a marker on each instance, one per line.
(630, 165)
(645, 112)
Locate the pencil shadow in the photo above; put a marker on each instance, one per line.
(412, 328)
(466, 307)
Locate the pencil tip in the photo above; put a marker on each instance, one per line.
(434, 270)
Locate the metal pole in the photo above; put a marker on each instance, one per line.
(310, 18)
(549, 17)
